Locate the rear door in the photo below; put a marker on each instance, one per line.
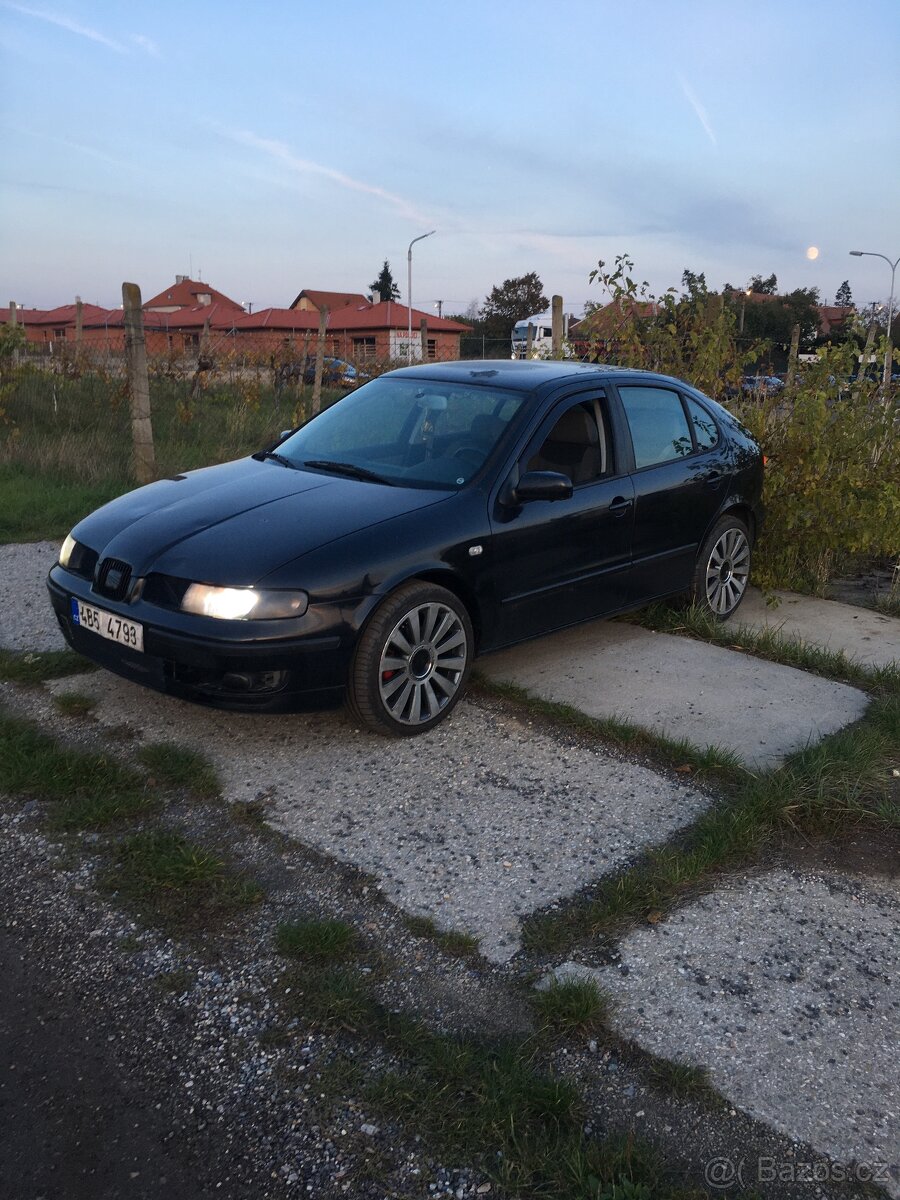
(562, 561)
(680, 469)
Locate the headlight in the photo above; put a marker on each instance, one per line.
(238, 604)
(65, 553)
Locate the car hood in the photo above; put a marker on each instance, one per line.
(235, 523)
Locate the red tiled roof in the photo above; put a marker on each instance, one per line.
(330, 300)
(185, 295)
(390, 315)
(288, 319)
(61, 316)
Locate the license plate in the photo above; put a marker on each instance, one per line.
(108, 625)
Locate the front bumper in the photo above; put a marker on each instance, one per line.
(250, 669)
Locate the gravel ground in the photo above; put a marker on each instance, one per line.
(787, 988)
(27, 621)
(475, 824)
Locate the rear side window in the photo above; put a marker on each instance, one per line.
(659, 428)
(704, 426)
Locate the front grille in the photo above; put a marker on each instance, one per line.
(113, 578)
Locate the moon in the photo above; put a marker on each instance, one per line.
(812, 253)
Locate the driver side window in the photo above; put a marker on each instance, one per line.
(575, 446)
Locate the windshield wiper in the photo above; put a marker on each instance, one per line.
(262, 455)
(351, 469)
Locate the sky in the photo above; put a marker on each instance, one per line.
(276, 146)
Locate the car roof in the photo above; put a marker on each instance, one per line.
(526, 374)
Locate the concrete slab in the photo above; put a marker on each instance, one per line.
(680, 687)
(476, 824)
(786, 987)
(27, 621)
(861, 633)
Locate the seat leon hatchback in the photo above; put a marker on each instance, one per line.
(437, 512)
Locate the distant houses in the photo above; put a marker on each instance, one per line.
(190, 314)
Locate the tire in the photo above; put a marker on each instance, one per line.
(722, 572)
(412, 661)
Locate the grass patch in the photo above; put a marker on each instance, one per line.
(180, 767)
(768, 643)
(451, 941)
(824, 789)
(87, 790)
(37, 505)
(573, 1006)
(178, 879)
(330, 998)
(680, 1079)
(74, 704)
(33, 667)
(677, 753)
(176, 981)
(316, 940)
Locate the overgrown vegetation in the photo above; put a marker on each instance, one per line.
(32, 667)
(572, 1005)
(313, 940)
(833, 445)
(452, 941)
(180, 767)
(86, 790)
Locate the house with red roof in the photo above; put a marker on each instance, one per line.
(313, 301)
(189, 293)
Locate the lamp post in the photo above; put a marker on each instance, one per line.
(893, 265)
(409, 291)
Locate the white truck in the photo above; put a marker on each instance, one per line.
(541, 335)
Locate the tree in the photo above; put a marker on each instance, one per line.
(514, 300)
(385, 285)
(843, 296)
(694, 286)
(766, 287)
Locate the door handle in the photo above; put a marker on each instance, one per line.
(713, 479)
(620, 506)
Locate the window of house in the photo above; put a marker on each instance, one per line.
(59, 334)
(191, 340)
(659, 429)
(364, 349)
(431, 348)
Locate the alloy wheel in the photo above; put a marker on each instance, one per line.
(727, 571)
(422, 663)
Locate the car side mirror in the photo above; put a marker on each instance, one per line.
(541, 485)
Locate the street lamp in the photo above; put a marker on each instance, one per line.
(888, 359)
(409, 291)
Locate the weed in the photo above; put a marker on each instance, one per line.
(316, 940)
(176, 878)
(74, 704)
(180, 767)
(329, 998)
(37, 668)
(177, 981)
(680, 1079)
(88, 790)
(453, 942)
(573, 1006)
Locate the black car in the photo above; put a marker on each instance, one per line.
(438, 512)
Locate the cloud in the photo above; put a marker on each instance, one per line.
(699, 110)
(283, 154)
(62, 22)
(146, 43)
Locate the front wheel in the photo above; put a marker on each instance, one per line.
(723, 568)
(412, 660)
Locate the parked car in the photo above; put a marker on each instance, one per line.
(437, 512)
(765, 384)
(336, 372)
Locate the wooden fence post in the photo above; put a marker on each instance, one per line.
(556, 326)
(423, 335)
(13, 321)
(138, 384)
(320, 362)
(79, 325)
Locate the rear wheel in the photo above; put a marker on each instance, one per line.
(411, 661)
(722, 572)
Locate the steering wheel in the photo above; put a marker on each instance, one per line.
(466, 450)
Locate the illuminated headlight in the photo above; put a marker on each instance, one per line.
(65, 553)
(239, 604)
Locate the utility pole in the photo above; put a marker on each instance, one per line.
(556, 325)
(440, 308)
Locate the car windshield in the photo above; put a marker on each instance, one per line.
(411, 432)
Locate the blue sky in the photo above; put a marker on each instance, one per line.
(276, 146)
